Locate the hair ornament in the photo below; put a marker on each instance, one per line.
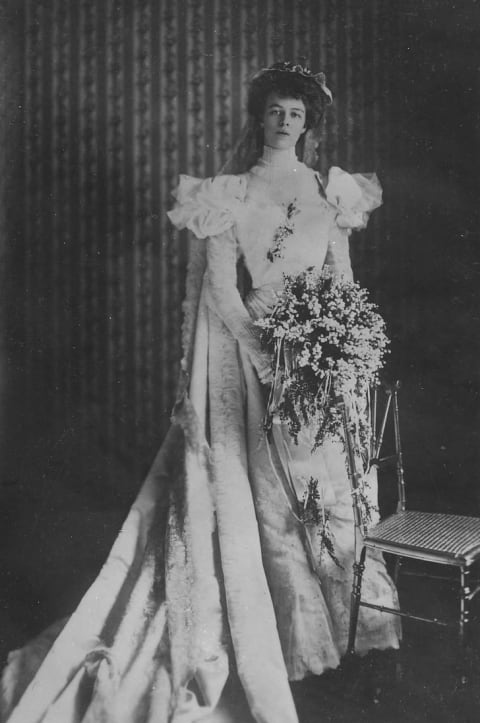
(302, 70)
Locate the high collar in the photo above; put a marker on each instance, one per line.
(279, 176)
(279, 158)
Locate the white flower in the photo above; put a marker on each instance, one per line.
(338, 344)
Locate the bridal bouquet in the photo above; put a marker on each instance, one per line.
(326, 340)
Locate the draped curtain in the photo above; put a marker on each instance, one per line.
(115, 99)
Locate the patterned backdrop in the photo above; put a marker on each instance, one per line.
(118, 97)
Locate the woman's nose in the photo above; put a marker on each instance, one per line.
(283, 120)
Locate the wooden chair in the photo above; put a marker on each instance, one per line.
(446, 539)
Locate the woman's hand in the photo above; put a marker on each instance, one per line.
(265, 375)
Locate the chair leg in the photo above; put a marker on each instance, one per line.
(464, 648)
(358, 568)
(396, 569)
(464, 602)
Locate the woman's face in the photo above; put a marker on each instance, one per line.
(283, 121)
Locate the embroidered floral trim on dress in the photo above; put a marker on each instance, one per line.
(313, 512)
(283, 232)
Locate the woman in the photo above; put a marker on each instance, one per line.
(236, 587)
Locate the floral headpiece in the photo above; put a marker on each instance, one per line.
(288, 67)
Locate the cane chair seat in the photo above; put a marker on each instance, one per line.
(429, 536)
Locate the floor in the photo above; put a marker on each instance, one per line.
(419, 684)
(430, 679)
(53, 540)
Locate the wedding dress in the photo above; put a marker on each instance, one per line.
(213, 573)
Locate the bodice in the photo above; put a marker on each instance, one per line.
(251, 214)
(275, 242)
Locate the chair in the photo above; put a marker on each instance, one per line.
(446, 539)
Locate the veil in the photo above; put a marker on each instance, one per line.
(161, 581)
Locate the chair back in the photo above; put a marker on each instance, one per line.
(384, 423)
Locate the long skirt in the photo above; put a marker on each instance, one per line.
(214, 575)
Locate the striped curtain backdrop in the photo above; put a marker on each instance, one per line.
(119, 97)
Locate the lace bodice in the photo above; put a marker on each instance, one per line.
(280, 220)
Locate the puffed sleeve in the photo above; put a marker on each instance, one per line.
(354, 196)
(208, 207)
(225, 299)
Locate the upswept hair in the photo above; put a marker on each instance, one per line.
(287, 85)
